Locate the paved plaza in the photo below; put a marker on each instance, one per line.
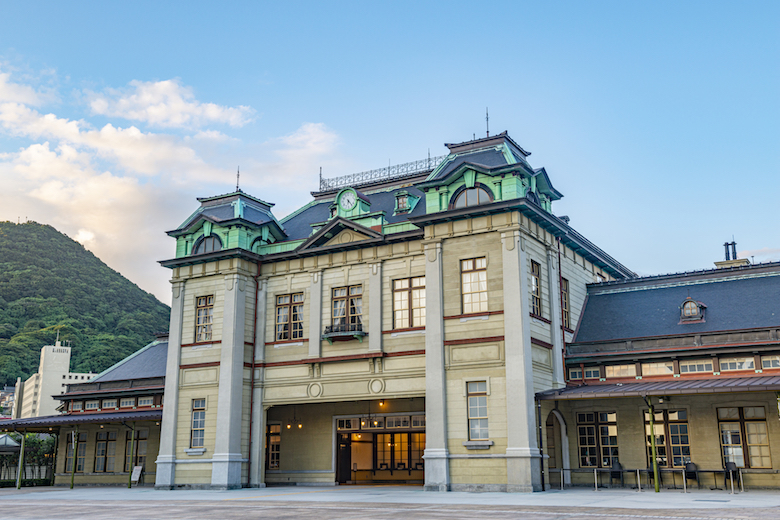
(381, 502)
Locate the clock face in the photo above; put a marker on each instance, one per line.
(347, 200)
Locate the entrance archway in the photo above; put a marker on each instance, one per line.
(558, 445)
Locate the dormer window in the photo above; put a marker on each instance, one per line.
(207, 245)
(333, 211)
(472, 197)
(691, 311)
(402, 203)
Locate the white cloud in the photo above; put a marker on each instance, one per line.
(166, 104)
(84, 236)
(17, 93)
(765, 254)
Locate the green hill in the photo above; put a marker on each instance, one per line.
(50, 283)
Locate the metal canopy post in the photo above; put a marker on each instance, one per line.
(20, 469)
(649, 402)
(132, 455)
(74, 444)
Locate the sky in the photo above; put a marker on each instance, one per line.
(658, 121)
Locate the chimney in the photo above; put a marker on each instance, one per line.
(731, 257)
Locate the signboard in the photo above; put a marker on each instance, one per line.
(136, 473)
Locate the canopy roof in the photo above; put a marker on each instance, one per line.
(43, 423)
(663, 388)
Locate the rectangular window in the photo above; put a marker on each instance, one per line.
(289, 316)
(109, 403)
(744, 363)
(672, 440)
(743, 436)
(620, 371)
(657, 369)
(205, 315)
(348, 309)
(127, 402)
(565, 303)
(105, 452)
(474, 285)
(692, 367)
(138, 450)
(536, 288)
(92, 405)
(478, 417)
(81, 453)
(590, 373)
(273, 443)
(597, 437)
(198, 423)
(409, 303)
(145, 401)
(770, 362)
(75, 406)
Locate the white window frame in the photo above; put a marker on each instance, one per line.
(695, 363)
(124, 402)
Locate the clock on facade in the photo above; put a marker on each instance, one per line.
(347, 200)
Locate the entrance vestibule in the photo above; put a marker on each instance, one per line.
(374, 449)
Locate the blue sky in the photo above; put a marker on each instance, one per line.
(658, 121)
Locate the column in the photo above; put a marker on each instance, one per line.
(257, 453)
(375, 307)
(437, 471)
(166, 457)
(315, 315)
(227, 458)
(556, 330)
(523, 463)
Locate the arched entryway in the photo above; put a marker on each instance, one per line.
(557, 449)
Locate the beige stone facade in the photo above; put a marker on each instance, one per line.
(455, 394)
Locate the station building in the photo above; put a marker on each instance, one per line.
(394, 329)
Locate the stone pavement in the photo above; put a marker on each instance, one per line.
(381, 502)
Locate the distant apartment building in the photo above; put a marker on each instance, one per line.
(33, 398)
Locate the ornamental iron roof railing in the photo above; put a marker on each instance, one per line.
(391, 172)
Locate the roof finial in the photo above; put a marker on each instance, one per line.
(238, 176)
(487, 122)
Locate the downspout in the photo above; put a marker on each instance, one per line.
(252, 377)
(541, 450)
(652, 443)
(563, 331)
(21, 462)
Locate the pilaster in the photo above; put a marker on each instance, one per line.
(315, 315)
(375, 307)
(523, 461)
(166, 457)
(556, 330)
(437, 472)
(257, 453)
(227, 458)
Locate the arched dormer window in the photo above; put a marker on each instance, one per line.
(691, 311)
(207, 244)
(465, 197)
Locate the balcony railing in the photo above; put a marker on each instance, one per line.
(344, 331)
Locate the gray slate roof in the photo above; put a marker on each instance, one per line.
(146, 363)
(741, 301)
(299, 226)
(489, 158)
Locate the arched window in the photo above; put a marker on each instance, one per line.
(472, 197)
(207, 245)
(690, 309)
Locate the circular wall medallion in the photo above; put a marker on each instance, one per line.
(315, 390)
(376, 386)
(346, 237)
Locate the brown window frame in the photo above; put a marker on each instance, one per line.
(536, 288)
(141, 439)
(565, 311)
(200, 426)
(744, 444)
(107, 442)
(667, 444)
(204, 308)
(80, 452)
(351, 321)
(597, 423)
(273, 438)
(291, 332)
(407, 294)
(463, 282)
